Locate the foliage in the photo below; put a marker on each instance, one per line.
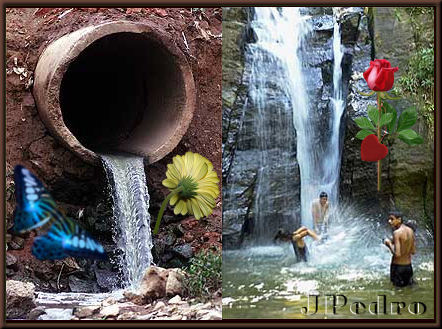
(418, 81)
(204, 274)
(387, 118)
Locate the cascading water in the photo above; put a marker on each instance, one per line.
(320, 162)
(278, 57)
(333, 166)
(132, 220)
(275, 78)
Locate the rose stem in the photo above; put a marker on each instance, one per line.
(379, 136)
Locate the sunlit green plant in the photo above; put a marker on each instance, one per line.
(204, 274)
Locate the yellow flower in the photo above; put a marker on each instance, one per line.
(193, 184)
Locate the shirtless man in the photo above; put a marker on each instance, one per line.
(297, 239)
(320, 213)
(402, 247)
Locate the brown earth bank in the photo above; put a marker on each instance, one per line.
(81, 189)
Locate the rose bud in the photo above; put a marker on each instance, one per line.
(380, 75)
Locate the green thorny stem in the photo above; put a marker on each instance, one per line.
(163, 207)
(379, 137)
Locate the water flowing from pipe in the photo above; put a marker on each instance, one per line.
(131, 215)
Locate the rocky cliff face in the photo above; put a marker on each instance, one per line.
(407, 172)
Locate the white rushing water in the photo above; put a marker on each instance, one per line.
(279, 33)
(334, 151)
(132, 220)
(284, 32)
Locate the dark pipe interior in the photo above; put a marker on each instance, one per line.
(123, 86)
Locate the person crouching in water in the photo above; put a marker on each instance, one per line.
(297, 240)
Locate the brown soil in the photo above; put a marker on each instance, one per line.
(74, 184)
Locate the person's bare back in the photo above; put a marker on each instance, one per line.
(402, 248)
(404, 245)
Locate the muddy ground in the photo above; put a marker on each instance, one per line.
(81, 188)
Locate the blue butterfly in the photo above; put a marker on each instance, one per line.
(37, 209)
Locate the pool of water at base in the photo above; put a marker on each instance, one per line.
(266, 282)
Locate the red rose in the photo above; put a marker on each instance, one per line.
(380, 75)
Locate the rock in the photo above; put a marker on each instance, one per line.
(10, 259)
(184, 250)
(36, 312)
(174, 284)
(80, 285)
(108, 301)
(144, 317)
(212, 315)
(57, 314)
(20, 299)
(17, 243)
(86, 311)
(175, 300)
(106, 278)
(175, 317)
(170, 239)
(153, 283)
(175, 262)
(110, 311)
(128, 316)
(158, 306)
(134, 298)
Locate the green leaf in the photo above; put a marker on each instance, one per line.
(364, 123)
(410, 137)
(373, 114)
(407, 119)
(386, 118)
(387, 108)
(363, 133)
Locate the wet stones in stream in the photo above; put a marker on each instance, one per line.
(161, 296)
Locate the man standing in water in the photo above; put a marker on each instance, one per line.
(402, 247)
(297, 239)
(320, 213)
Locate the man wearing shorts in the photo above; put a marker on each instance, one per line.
(402, 248)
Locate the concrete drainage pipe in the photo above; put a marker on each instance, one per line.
(115, 87)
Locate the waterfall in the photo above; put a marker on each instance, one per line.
(320, 163)
(273, 59)
(280, 57)
(338, 103)
(132, 220)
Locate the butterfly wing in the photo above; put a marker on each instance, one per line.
(67, 238)
(78, 243)
(48, 246)
(35, 206)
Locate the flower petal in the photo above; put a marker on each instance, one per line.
(174, 199)
(179, 207)
(184, 210)
(172, 172)
(170, 183)
(189, 207)
(196, 209)
(202, 172)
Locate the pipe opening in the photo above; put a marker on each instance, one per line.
(124, 92)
